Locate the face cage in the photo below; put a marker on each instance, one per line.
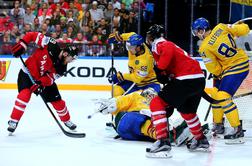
(129, 47)
(195, 32)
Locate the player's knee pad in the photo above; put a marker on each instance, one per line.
(157, 104)
(118, 91)
(59, 104)
(128, 125)
(220, 95)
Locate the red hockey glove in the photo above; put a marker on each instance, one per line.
(36, 88)
(46, 80)
(19, 48)
(161, 75)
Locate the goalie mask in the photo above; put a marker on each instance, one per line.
(149, 94)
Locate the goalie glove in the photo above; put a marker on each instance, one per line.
(107, 106)
(19, 48)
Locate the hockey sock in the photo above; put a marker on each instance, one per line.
(20, 104)
(232, 114)
(61, 109)
(158, 117)
(194, 124)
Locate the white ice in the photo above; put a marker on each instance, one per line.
(38, 141)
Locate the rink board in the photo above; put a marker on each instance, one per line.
(86, 73)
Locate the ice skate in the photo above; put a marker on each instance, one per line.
(70, 125)
(218, 128)
(201, 145)
(236, 137)
(160, 149)
(12, 126)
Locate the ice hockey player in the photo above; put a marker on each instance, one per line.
(184, 84)
(229, 65)
(46, 64)
(133, 118)
(140, 65)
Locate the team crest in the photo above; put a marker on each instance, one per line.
(4, 66)
(137, 62)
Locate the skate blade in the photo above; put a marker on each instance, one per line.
(235, 141)
(159, 155)
(10, 134)
(204, 150)
(215, 135)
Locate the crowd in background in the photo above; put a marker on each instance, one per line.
(86, 23)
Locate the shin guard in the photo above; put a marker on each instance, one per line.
(61, 109)
(20, 104)
(158, 117)
(194, 125)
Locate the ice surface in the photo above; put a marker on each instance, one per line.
(38, 141)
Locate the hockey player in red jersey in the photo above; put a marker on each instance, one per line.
(184, 84)
(46, 64)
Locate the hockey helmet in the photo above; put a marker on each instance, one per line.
(72, 51)
(200, 24)
(149, 94)
(133, 41)
(155, 31)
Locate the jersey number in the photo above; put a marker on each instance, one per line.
(227, 51)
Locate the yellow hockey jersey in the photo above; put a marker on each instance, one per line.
(131, 102)
(220, 53)
(140, 67)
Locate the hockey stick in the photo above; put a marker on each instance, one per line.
(74, 135)
(219, 101)
(208, 111)
(99, 111)
(242, 20)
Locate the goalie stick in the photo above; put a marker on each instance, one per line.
(69, 134)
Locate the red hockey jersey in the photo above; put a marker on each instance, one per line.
(40, 64)
(175, 61)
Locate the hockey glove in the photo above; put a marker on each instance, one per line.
(19, 48)
(46, 80)
(169, 111)
(37, 88)
(162, 77)
(116, 78)
(114, 38)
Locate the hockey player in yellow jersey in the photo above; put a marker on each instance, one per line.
(229, 65)
(140, 65)
(133, 117)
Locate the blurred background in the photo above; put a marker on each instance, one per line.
(87, 23)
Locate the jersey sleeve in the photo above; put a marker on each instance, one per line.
(239, 29)
(211, 63)
(166, 51)
(125, 103)
(126, 36)
(36, 37)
